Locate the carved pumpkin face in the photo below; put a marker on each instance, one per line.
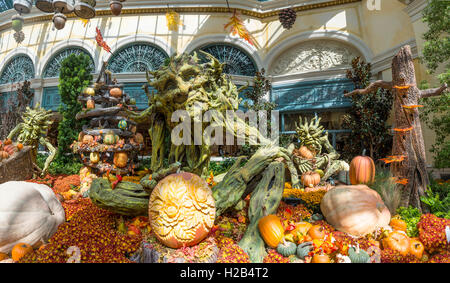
(181, 210)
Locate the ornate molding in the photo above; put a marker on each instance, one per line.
(251, 8)
(383, 60)
(311, 56)
(415, 8)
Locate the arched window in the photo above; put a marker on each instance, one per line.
(136, 58)
(51, 69)
(237, 61)
(18, 69)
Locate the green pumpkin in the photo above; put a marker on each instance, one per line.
(109, 138)
(304, 249)
(286, 248)
(17, 25)
(358, 256)
(127, 198)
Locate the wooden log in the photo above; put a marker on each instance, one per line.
(98, 112)
(18, 167)
(265, 200)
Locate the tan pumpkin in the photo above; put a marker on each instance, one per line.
(362, 170)
(121, 159)
(181, 210)
(116, 92)
(356, 210)
(305, 152)
(37, 221)
(87, 139)
(398, 224)
(397, 241)
(89, 91)
(310, 179)
(271, 230)
(90, 104)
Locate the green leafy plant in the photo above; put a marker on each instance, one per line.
(439, 207)
(411, 215)
(436, 52)
(221, 167)
(75, 76)
(59, 167)
(367, 117)
(385, 185)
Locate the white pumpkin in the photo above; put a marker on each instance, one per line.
(29, 213)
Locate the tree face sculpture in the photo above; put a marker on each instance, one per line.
(186, 84)
(313, 136)
(33, 130)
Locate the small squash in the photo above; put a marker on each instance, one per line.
(398, 224)
(397, 241)
(320, 258)
(94, 157)
(19, 146)
(139, 138)
(317, 232)
(286, 248)
(121, 159)
(310, 179)
(109, 138)
(304, 249)
(362, 170)
(20, 250)
(116, 92)
(89, 91)
(87, 139)
(90, 104)
(7, 142)
(271, 230)
(358, 256)
(416, 248)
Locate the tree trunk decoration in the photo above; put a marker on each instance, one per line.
(408, 160)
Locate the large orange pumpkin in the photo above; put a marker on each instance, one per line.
(271, 230)
(398, 224)
(356, 210)
(416, 248)
(397, 241)
(310, 179)
(362, 170)
(120, 159)
(20, 250)
(181, 210)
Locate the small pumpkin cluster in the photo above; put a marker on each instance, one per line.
(18, 251)
(306, 241)
(8, 148)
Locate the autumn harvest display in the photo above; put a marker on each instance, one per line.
(281, 204)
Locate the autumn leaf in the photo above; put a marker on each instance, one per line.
(411, 106)
(394, 158)
(402, 87)
(237, 26)
(402, 181)
(403, 130)
(100, 41)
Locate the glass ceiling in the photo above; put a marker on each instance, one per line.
(5, 5)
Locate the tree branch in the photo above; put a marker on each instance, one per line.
(371, 88)
(433, 91)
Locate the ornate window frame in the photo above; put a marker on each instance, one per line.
(137, 44)
(55, 60)
(28, 73)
